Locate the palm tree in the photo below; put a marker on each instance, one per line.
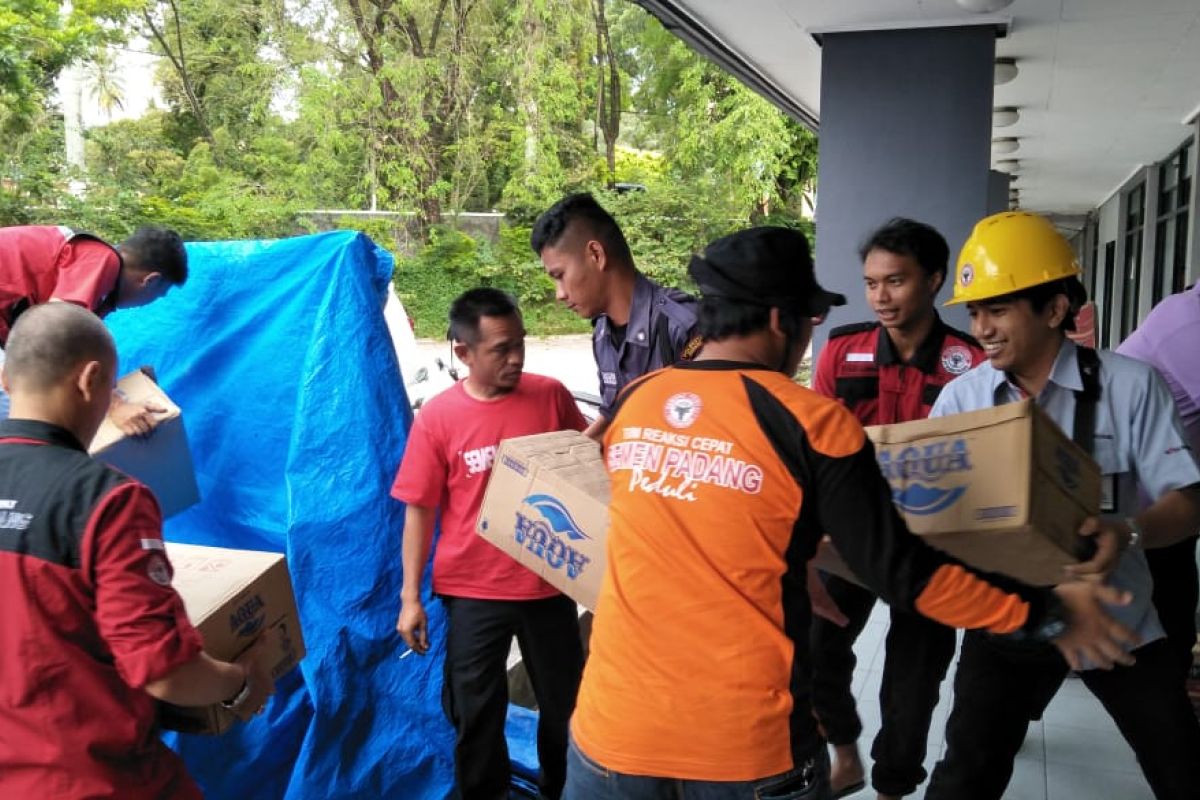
(105, 86)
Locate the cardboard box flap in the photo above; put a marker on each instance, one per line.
(954, 424)
(137, 388)
(209, 577)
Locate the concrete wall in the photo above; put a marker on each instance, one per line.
(906, 126)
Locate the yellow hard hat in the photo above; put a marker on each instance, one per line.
(1009, 252)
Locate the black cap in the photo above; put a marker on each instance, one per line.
(766, 266)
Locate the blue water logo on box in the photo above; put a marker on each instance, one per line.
(247, 619)
(912, 471)
(546, 529)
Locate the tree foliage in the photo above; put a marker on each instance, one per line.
(427, 107)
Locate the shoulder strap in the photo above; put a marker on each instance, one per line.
(1087, 398)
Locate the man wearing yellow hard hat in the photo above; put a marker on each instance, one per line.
(1020, 281)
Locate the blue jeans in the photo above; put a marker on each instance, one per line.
(587, 780)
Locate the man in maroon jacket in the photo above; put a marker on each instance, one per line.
(887, 371)
(91, 633)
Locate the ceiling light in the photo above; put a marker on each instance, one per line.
(1004, 116)
(1004, 145)
(983, 6)
(1005, 70)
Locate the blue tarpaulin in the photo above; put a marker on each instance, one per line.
(296, 414)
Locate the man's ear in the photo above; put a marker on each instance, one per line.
(1057, 310)
(148, 279)
(596, 254)
(773, 322)
(936, 281)
(89, 381)
(462, 352)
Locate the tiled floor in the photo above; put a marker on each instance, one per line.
(1074, 753)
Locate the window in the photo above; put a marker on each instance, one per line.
(1174, 199)
(1135, 218)
(1110, 267)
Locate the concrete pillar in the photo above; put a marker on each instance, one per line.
(906, 129)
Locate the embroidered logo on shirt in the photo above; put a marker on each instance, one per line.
(690, 350)
(956, 359)
(854, 358)
(682, 409)
(609, 378)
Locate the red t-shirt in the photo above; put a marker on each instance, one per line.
(447, 464)
(40, 263)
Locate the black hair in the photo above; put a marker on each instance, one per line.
(583, 208)
(472, 304)
(719, 318)
(1040, 296)
(906, 237)
(154, 249)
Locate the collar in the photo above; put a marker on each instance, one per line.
(926, 356)
(637, 330)
(718, 365)
(1064, 372)
(39, 432)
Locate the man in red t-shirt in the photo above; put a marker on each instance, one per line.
(92, 635)
(46, 263)
(489, 597)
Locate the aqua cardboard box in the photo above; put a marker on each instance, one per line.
(233, 597)
(162, 460)
(546, 505)
(1003, 489)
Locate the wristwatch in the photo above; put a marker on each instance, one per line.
(1054, 621)
(238, 698)
(1135, 533)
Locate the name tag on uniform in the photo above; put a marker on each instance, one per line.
(609, 378)
(860, 357)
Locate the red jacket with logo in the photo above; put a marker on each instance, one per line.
(860, 367)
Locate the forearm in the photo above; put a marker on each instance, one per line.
(200, 682)
(414, 550)
(1172, 518)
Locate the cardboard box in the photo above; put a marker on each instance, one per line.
(546, 505)
(1002, 489)
(162, 461)
(233, 597)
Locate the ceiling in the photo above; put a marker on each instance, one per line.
(1104, 86)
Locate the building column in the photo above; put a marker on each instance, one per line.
(906, 128)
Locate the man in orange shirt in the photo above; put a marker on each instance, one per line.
(725, 473)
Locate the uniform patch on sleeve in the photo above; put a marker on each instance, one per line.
(159, 571)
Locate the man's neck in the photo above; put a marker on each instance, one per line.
(37, 412)
(1033, 377)
(908, 340)
(620, 296)
(743, 349)
(486, 393)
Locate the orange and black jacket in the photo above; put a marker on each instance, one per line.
(724, 476)
(860, 366)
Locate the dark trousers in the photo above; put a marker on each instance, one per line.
(475, 690)
(998, 686)
(918, 651)
(1176, 593)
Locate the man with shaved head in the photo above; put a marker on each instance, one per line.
(92, 635)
